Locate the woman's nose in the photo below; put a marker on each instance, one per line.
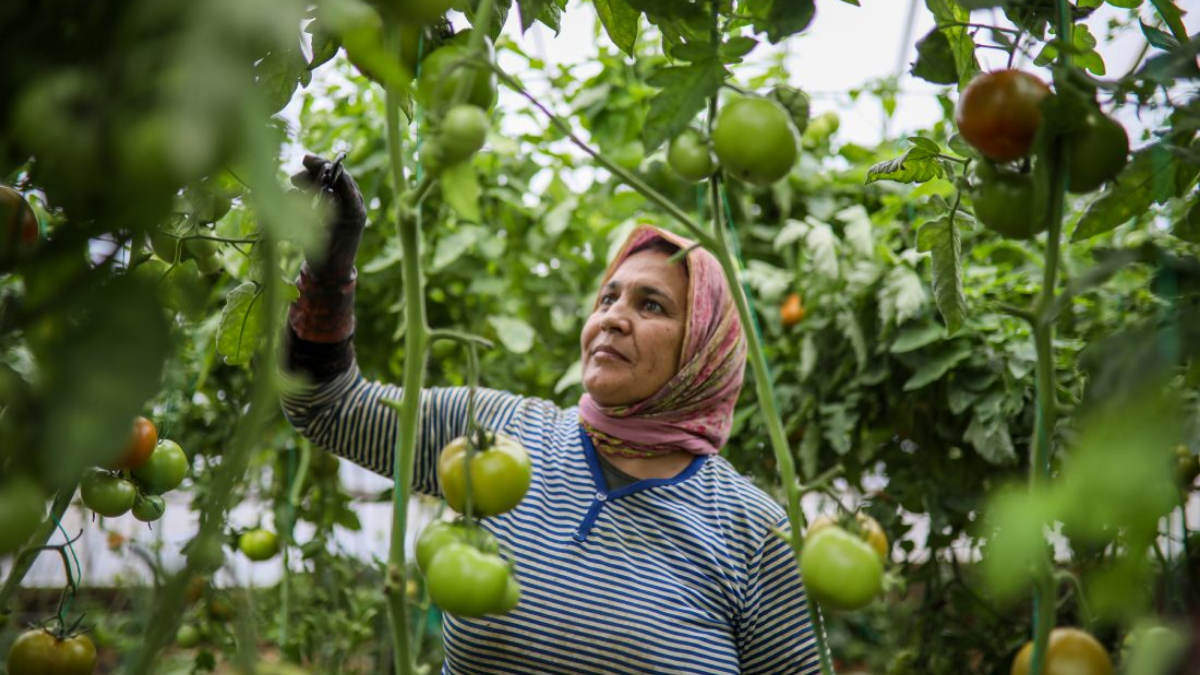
(616, 317)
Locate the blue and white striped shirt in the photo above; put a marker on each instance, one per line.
(679, 575)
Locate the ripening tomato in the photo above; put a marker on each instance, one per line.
(18, 223)
(140, 447)
(107, 494)
(792, 311)
(467, 582)
(1096, 152)
(259, 544)
(1010, 204)
(165, 469)
(999, 113)
(840, 570)
(1070, 652)
(690, 156)
(500, 475)
(867, 528)
(40, 652)
(22, 510)
(754, 140)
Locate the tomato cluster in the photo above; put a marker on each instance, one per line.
(464, 571)
(40, 652)
(457, 129)
(842, 562)
(147, 468)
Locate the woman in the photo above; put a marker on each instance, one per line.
(638, 548)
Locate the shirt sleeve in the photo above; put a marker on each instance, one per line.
(775, 633)
(346, 416)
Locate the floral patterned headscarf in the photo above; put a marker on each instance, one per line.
(694, 410)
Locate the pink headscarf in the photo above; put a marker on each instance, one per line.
(694, 410)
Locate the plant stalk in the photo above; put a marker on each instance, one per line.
(24, 561)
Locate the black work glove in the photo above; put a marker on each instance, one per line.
(335, 186)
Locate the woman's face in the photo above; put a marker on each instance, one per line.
(632, 341)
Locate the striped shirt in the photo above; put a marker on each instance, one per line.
(679, 575)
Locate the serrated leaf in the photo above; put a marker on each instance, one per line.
(516, 335)
(685, 91)
(736, 48)
(620, 22)
(240, 330)
(837, 424)
(1152, 176)
(791, 232)
(460, 189)
(822, 247)
(902, 296)
(1159, 38)
(784, 18)
(935, 59)
(937, 365)
(915, 166)
(769, 282)
(852, 331)
(940, 238)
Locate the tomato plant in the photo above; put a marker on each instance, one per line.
(165, 469)
(690, 156)
(754, 140)
(841, 570)
(141, 445)
(40, 652)
(1071, 651)
(999, 113)
(1096, 151)
(107, 494)
(465, 581)
(500, 475)
(22, 510)
(259, 544)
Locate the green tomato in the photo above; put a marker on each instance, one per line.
(39, 652)
(840, 570)
(166, 245)
(438, 534)
(205, 555)
(107, 494)
(466, 582)
(463, 132)
(188, 636)
(1095, 152)
(630, 155)
(444, 69)
(22, 510)
(754, 141)
(149, 508)
(1012, 205)
(500, 475)
(165, 469)
(512, 596)
(690, 157)
(259, 544)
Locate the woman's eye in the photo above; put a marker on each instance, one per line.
(654, 306)
(607, 299)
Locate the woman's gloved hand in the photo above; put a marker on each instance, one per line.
(324, 313)
(336, 186)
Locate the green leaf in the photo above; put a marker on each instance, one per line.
(325, 44)
(737, 47)
(913, 337)
(1159, 38)
(991, 440)
(962, 46)
(1188, 227)
(837, 424)
(545, 11)
(1152, 176)
(516, 335)
(278, 74)
(460, 189)
(935, 59)
(620, 21)
(454, 244)
(902, 296)
(915, 166)
(685, 92)
(940, 238)
(852, 331)
(784, 18)
(240, 330)
(938, 364)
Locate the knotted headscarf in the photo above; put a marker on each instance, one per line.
(694, 410)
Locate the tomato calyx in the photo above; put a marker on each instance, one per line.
(62, 651)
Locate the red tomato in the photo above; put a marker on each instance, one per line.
(140, 447)
(999, 113)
